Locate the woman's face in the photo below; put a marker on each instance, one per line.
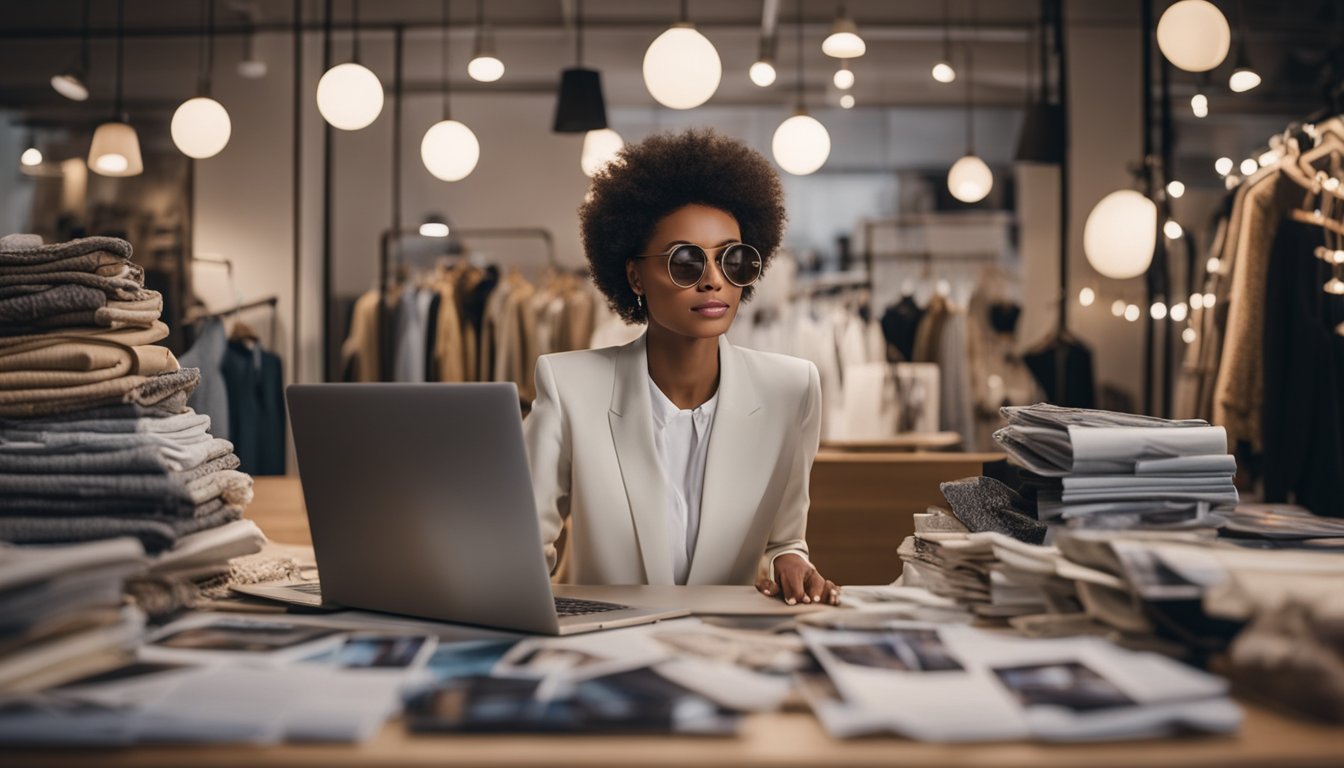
(706, 309)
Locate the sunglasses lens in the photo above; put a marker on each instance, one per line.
(741, 265)
(686, 265)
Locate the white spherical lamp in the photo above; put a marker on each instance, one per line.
(801, 144)
(1193, 35)
(969, 179)
(450, 150)
(201, 127)
(349, 96)
(682, 68)
(485, 69)
(762, 73)
(844, 78)
(599, 148)
(944, 73)
(31, 157)
(1120, 234)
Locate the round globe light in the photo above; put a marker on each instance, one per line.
(1120, 234)
(1172, 229)
(1194, 35)
(969, 179)
(762, 73)
(847, 101)
(1132, 313)
(1158, 311)
(1189, 335)
(1249, 166)
(599, 148)
(31, 156)
(1223, 165)
(1179, 312)
(1175, 189)
(801, 145)
(682, 68)
(1199, 105)
(1118, 308)
(844, 79)
(944, 73)
(450, 150)
(485, 69)
(201, 127)
(1086, 297)
(349, 96)
(1243, 80)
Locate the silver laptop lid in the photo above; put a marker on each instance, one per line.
(420, 501)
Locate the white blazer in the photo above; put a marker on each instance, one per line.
(591, 446)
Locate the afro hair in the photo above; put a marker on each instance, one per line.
(661, 174)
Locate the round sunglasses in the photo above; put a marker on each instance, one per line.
(686, 263)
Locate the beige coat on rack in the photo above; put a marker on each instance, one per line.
(590, 443)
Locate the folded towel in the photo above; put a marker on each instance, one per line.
(156, 534)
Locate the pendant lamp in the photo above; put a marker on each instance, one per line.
(32, 156)
(844, 76)
(252, 66)
(943, 71)
(762, 71)
(843, 42)
(115, 149)
(1042, 138)
(969, 179)
(485, 66)
(434, 225)
(600, 147)
(449, 149)
(349, 95)
(580, 107)
(1120, 234)
(73, 82)
(201, 126)
(1244, 77)
(1194, 35)
(801, 143)
(681, 67)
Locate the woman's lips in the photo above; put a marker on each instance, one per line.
(711, 309)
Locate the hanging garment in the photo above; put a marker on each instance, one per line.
(256, 407)
(448, 353)
(1239, 388)
(955, 412)
(359, 353)
(431, 335)
(1075, 359)
(930, 330)
(1303, 371)
(900, 323)
(409, 364)
(211, 396)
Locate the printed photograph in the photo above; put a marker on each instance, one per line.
(1070, 685)
(381, 651)
(244, 637)
(907, 650)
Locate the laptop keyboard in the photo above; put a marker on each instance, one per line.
(564, 606)
(568, 606)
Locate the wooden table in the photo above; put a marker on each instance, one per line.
(788, 738)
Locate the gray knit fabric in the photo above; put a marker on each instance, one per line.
(23, 249)
(985, 504)
(156, 534)
(142, 457)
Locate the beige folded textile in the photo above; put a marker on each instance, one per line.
(125, 336)
(20, 249)
(169, 390)
(142, 312)
(94, 262)
(73, 363)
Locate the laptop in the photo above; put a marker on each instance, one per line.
(420, 503)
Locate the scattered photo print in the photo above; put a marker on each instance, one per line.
(1070, 685)
(243, 636)
(381, 651)
(466, 659)
(906, 650)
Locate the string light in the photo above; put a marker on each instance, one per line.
(1132, 313)
(1086, 296)
(1189, 335)
(1213, 265)
(1196, 301)
(1179, 312)
(1172, 230)
(1223, 165)
(1175, 189)
(1249, 166)
(1199, 105)
(1118, 308)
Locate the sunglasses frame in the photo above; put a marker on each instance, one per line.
(718, 260)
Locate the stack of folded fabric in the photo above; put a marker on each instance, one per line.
(96, 439)
(1100, 469)
(61, 611)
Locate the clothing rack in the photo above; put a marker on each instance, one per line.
(272, 302)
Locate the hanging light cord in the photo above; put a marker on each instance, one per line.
(84, 47)
(121, 19)
(354, 28)
(578, 34)
(970, 80)
(447, 74)
(947, 31)
(685, 11)
(207, 49)
(799, 36)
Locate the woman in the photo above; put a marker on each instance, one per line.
(681, 458)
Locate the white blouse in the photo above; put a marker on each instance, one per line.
(681, 438)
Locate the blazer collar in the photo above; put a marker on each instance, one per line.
(732, 480)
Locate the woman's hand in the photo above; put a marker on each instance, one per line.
(797, 581)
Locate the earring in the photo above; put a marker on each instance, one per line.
(639, 300)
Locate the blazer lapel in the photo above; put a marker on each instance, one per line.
(734, 475)
(631, 419)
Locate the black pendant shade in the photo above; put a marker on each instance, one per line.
(580, 107)
(1042, 139)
